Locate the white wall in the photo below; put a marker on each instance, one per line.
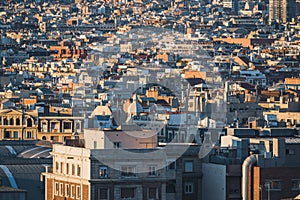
(229, 141)
(127, 139)
(72, 155)
(92, 137)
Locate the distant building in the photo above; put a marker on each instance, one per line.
(16, 125)
(253, 168)
(81, 173)
(232, 4)
(59, 128)
(67, 50)
(127, 138)
(276, 176)
(282, 10)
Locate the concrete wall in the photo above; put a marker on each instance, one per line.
(72, 156)
(229, 141)
(130, 139)
(213, 181)
(93, 139)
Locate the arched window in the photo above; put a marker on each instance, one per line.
(44, 126)
(5, 121)
(11, 121)
(44, 138)
(17, 121)
(29, 122)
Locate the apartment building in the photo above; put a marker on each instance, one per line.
(17, 125)
(249, 167)
(282, 10)
(82, 173)
(59, 128)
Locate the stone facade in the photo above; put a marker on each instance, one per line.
(111, 174)
(16, 125)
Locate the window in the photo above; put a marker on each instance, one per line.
(274, 185)
(78, 170)
(67, 168)
(170, 135)
(61, 189)
(16, 134)
(175, 133)
(56, 188)
(152, 171)
(6, 134)
(29, 122)
(127, 171)
(73, 191)
(103, 194)
(171, 186)
(73, 169)
(103, 172)
(29, 134)
(188, 166)
(296, 184)
(67, 125)
(152, 193)
(127, 193)
(61, 168)
(78, 194)
(188, 188)
(182, 135)
(67, 190)
(56, 166)
(117, 145)
(171, 164)
(18, 121)
(290, 151)
(44, 127)
(162, 132)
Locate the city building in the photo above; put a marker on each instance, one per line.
(82, 173)
(59, 128)
(18, 125)
(282, 11)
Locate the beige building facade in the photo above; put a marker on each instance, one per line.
(17, 125)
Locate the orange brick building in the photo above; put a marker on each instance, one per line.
(69, 178)
(68, 49)
(282, 182)
(247, 42)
